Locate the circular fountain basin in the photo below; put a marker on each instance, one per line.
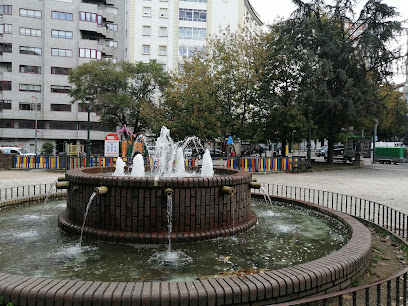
(135, 209)
(285, 236)
(335, 271)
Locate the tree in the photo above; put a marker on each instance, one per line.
(124, 93)
(392, 117)
(215, 93)
(191, 106)
(344, 61)
(279, 108)
(47, 148)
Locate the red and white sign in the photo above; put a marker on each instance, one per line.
(111, 137)
(112, 145)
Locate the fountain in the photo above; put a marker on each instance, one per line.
(171, 204)
(134, 207)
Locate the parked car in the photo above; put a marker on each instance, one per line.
(216, 153)
(15, 150)
(194, 152)
(322, 151)
(188, 152)
(338, 150)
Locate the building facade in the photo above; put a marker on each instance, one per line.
(168, 30)
(41, 41)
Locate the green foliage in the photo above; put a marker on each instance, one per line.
(47, 148)
(339, 64)
(216, 92)
(124, 93)
(393, 114)
(2, 302)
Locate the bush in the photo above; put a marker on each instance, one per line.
(47, 148)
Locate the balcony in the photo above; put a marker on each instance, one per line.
(88, 26)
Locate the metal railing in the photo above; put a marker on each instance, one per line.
(14, 193)
(388, 291)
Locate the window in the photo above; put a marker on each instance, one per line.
(91, 17)
(5, 104)
(61, 89)
(5, 28)
(61, 52)
(24, 106)
(192, 15)
(30, 50)
(83, 108)
(28, 106)
(61, 15)
(30, 13)
(30, 69)
(99, 20)
(147, 11)
(163, 31)
(90, 53)
(163, 13)
(146, 49)
(192, 33)
(30, 32)
(61, 107)
(30, 87)
(147, 30)
(5, 85)
(61, 34)
(187, 51)
(112, 27)
(60, 70)
(5, 10)
(112, 44)
(6, 47)
(162, 50)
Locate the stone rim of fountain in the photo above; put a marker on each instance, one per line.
(331, 273)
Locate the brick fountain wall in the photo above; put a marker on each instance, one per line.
(135, 209)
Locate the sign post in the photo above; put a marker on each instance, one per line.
(111, 145)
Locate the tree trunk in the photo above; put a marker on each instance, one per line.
(331, 138)
(284, 142)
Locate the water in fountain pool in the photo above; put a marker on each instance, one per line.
(286, 237)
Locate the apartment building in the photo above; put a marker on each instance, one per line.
(40, 42)
(168, 30)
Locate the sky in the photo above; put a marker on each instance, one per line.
(270, 10)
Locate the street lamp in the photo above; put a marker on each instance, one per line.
(36, 122)
(309, 137)
(374, 139)
(88, 139)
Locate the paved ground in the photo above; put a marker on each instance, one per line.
(385, 184)
(23, 177)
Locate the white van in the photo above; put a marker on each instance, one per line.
(15, 150)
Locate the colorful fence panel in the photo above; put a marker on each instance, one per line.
(72, 162)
